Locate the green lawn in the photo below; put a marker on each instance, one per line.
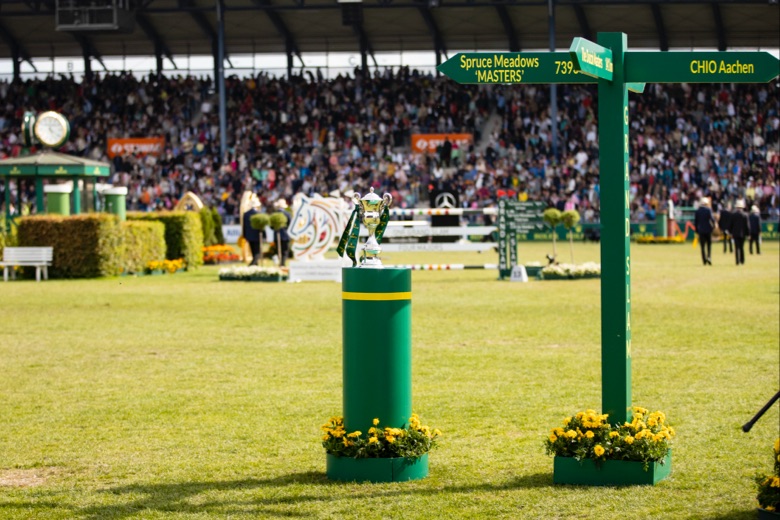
(184, 397)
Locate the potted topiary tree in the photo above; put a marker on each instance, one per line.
(278, 220)
(260, 221)
(552, 217)
(570, 218)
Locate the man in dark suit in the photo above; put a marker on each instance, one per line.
(739, 230)
(754, 223)
(724, 223)
(252, 235)
(704, 223)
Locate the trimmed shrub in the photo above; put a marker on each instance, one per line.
(183, 234)
(85, 246)
(144, 243)
(207, 224)
(217, 218)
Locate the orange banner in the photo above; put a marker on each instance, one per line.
(136, 145)
(427, 143)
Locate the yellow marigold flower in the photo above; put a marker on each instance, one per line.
(325, 437)
(376, 421)
(373, 440)
(566, 421)
(775, 482)
(652, 422)
(589, 434)
(372, 430)
(558, 431)
(354, 434)
(629, 439)
(437, 432)
(347, 443)
(579, 415)
(553, 438)
(671, 431)
(777, 445)
(641, 410)
(571, 434)
(390, 439)
(770, 508)
(590, 412)
(598, 450)
(612, 435)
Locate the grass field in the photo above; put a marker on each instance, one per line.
(184, 397)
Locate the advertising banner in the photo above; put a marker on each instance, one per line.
(136, 145)
(427, 143)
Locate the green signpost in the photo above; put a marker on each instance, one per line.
(616, 71)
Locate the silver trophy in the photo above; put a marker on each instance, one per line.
(371, 208)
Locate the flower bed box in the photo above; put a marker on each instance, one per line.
(543, 276)
(398, 469)
(763, 514)
(568, 470)
(533, 271)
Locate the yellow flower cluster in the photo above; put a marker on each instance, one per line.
(413, 441)
(170, 266)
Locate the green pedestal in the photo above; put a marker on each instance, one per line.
(116, 202)
(376, 470)
(661, 222)
(567, 470)
(58, 198)
(377, 337)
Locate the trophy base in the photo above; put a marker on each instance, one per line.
(371, 263)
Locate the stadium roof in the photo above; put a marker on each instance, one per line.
(190, 27)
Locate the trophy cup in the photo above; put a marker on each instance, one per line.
(371, 208)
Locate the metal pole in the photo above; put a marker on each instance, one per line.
(220, 79)
(7, 204)
(553, 86)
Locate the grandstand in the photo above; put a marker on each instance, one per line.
(308, 131)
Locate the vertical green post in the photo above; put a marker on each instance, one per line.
(377, 339)
(7, 203)
(39, 207)
(615, 236)
(76, 196)
(58, 199)
(116, 202)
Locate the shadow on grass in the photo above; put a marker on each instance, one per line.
(185, 497)
(750, 514)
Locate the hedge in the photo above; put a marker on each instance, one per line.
(144, 242)
(85, 246)
(207, 225)
(183, 234)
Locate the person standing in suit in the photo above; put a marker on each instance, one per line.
(724, 223)
(739, 230)
(754, 224)
(252, 235)
(704, 223)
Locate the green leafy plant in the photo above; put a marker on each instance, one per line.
(207, 225)
(552, 217)
(588, 435)
(769, 485)
(260, 221)
(277, 222)
(217, 218)
(569, 219)
(413, 441)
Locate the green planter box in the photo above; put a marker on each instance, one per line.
(763, 514)
(376, 470)
(567, 470)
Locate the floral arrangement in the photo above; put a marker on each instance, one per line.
(168, 266)
(769, 485)
(571, 271)
(414, 441)
(252, 273)
(588, 435)
(677, 239)
(219, 254)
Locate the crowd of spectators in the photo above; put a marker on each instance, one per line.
(310, 135)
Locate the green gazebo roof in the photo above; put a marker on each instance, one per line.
(53, 164)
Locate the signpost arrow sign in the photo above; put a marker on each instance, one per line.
(701, 67)
(512, 67)
(591, 59)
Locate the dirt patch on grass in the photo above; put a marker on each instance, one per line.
(25, 477)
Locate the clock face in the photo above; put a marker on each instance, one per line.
(52, 129)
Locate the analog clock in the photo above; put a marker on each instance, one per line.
(52, 129)
(28, 123)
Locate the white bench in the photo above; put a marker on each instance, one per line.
(38, 257)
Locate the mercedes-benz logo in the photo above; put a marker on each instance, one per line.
(445, 200)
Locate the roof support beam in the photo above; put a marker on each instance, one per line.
(438, 41)
(160, 47)
(582, 19)
(663, 40)
(509, 28)
(17, 49)
(291, 45)
(88, 51)
(719, 27)
(203, 24)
